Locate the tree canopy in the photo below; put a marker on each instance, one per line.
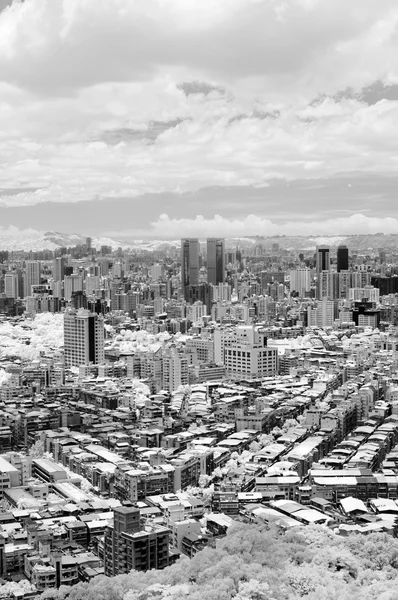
(263, 562)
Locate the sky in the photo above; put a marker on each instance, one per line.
(167, 118)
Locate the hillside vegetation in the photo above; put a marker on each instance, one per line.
(257, 562)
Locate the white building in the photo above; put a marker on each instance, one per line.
(84, 338)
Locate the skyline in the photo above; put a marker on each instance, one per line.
(188, 118)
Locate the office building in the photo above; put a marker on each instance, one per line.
(215, 260)
(322, 259)
(127, 545)
(322, 265)
(342, 258)
(189, 262)
(59, 268)
(32, 275)
(157, 272)
(222, 293)
(300, 282)
(84, 338)
(175, 369)
(72, 284)
(11, 287)
(245, 353)
(323, 314)
(328, 285)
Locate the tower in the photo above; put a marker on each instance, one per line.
(189, 262)
(322, 267)
(342, 259)
(322, 259)
(215, 260)
(11, 287)
(32, 275)
(59, 268)
(84, 338)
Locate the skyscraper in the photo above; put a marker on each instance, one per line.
(72, 284)
(215, 260)
(189, 262)
(300, 281)
(59, 268)
(84, 338)
(11, 287)
(32, 275)
(322, 259)
(342, 259)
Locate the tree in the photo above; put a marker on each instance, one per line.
(255, 447)
(37, 450)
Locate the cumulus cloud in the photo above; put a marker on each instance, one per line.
(108, 99)
(253, 225)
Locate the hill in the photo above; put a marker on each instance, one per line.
(255, 562)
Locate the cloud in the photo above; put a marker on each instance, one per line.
(108, 99)
(167, 228)
(209, 145)
(51, 45)
(252, 225)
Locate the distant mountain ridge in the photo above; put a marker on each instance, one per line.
(14, 240)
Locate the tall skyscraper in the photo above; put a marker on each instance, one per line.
(342, 259)
(322, 259)
(215, 260)
(322, 267)
(84, 338)
(32, 275)
(59, 268)
(189, 262)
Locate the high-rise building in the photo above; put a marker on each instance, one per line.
(32, 275)
(92, 283)
(157, 272)
(127, 545)
(175, 369)
(189, 262)
(328, 285)
(322, 265)
(323, 314)
(344, 283)
(300, 281)
(215, 260)
(59, 268)
(84, 338)
(342, 258)
(245, 353)
(72, 284)
(222, 293)
(11, 287)
(322, 258)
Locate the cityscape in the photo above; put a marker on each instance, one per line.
(150, 402)
(198, 300)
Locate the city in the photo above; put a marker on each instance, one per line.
(149, 402)
(198, 300)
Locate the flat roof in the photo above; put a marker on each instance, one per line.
(7, 467)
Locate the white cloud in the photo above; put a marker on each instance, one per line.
(167, 228)
(210, 147)
(78, 76)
